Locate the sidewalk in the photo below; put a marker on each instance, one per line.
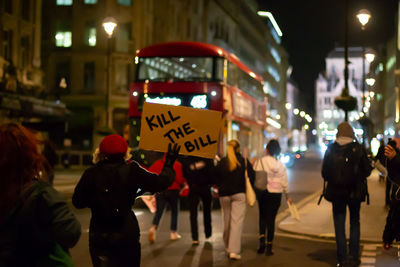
(317, 221)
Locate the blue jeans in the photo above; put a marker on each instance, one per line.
(171, 197)
(339, 219)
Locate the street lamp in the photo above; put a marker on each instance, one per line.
(109, 25)
(345, 101)
(363, 17)
(370, 81)
(370, 56)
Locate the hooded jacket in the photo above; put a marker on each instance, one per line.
(276, 174)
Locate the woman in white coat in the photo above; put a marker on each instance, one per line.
(269, 199)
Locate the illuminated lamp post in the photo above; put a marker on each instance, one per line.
(109, 25)
(363, 17)
(345, 101)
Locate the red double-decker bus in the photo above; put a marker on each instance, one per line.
(201, 75)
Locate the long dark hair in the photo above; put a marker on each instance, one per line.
(20, 163)
(273, 147)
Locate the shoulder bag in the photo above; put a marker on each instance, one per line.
(250, 195)
(261, 180)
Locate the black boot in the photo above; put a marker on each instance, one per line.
(261, 249)
(268, 250)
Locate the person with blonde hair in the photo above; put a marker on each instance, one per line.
(230, 180)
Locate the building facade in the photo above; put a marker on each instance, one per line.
(78, 57)
(23, 96)
(330, 85)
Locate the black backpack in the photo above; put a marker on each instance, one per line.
(343, 170)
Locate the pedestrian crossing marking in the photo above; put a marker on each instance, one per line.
(370, 247)
(368, 260)
(369, 253)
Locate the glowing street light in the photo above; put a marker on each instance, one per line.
(288, 106)
(363, 16)
(369, 56)
(109, 25)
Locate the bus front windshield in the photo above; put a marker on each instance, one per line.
(161, 69)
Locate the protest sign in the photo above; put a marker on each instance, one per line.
(196, 130)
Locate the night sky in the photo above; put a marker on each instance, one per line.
(312, 28)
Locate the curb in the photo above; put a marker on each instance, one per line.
(315, 196)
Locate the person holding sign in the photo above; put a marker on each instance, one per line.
(269, 199)
(109, 189)
(230, 179)
(170, 196)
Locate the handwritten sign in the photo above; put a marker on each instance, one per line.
(196, 130)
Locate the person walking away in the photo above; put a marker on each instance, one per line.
(36, 224)
(392, 227)
(345, 169)
(170, 196)
(109, 189)
(230, 179)
(380, 161)
(199, 173)
(269, 200)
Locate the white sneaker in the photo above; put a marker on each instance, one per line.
(175, 236)
(234, 256)
(152, 235)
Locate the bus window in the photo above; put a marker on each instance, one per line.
(160, 69)
(219, 69)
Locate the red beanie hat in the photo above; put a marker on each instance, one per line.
(113, 144)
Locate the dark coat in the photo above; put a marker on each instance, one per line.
(116, 183)
(233, 182)
(39, 220)
(392, 227)
(360, 166)
(201, 178)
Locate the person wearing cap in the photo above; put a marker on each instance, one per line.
(109, 189)
(345, 168)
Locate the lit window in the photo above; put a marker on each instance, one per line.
(91, 39)
(124, 2)
(63, 39)
(64, 2)
(90, 2)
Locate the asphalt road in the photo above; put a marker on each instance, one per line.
(290, 250)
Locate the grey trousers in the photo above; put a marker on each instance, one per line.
(233, 213)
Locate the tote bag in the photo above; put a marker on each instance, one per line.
(261, 181)
(250, 195)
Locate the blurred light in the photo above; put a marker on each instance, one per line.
(370, 57)
(277, 116)
(213, 93)
(235, 127)
(252, 74)
(273, 123)
(362, 114)
(371, 94)
(109, 25)
(365, 109)
(370, 81)
(375, 144)
(314, 132)
(296, 111)
(273, 22)
(297, 156)
(199, 101)
(136, 60)
(302, 114)
(363, 16)
(306, 126)
(368, 104)
(288, 106)
(135, 93)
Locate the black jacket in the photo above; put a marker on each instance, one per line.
(199, 176)
(361, 168)
(233, 182)
(115, 184)
(392, 227)
(39, 220)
